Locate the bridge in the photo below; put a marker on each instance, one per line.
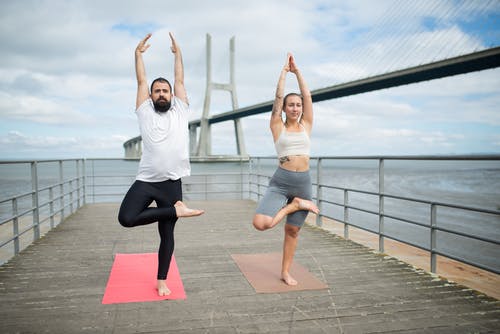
(200, 146)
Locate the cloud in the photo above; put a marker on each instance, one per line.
(74, 72)
(21, 145)
(419, 137)
(37, 110)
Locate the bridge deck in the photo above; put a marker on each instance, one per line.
(57, 284)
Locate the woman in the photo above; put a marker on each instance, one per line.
(290, 189)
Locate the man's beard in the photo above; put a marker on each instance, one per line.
(161, 105)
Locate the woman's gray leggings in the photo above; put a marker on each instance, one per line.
(283, 187)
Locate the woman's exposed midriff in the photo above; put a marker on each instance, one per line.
(295, 163)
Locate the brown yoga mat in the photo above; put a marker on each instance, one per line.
(263, 272)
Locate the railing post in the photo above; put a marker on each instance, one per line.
(61, 190)
(34, 200)
(346, 214)
(77, 184)
(433, 238)
(250, 175)
(381, 205)
(71, 197)
(258, 179)
(51, 206)
(93, 182)
(15, 226)
(249, 170)
(84, 162)
(319, 222)
(241, 179)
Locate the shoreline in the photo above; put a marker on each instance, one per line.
(468, 276)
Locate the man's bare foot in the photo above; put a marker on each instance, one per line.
(306, 205)
(162, 288)
(288, 279)
(183, 211)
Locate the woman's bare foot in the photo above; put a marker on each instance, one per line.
(306, 205)
(162, 288)
(288, 279)
(183, 211)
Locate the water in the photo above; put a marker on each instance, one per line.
(465, 183)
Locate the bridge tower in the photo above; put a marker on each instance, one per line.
(204, 147)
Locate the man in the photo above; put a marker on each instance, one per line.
(163, 123)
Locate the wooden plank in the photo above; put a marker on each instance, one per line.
(56, 284)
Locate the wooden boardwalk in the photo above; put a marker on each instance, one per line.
(57, 284)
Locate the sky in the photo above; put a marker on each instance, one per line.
(67, 81)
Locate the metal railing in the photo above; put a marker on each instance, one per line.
(436, 230)
(105, 184)
(46, 203)
(367, 196)
(38, 203)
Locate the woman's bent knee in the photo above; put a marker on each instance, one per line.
(261, 222)
(258, 226)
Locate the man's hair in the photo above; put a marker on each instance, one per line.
(160, 80)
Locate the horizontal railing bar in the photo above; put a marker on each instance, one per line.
(350, 224)
(51, 201)
(19, 234)
(186, 177)
(470, 236)
(463, 260)
(417, 200)
(377, 233)
(332, 203)
(427, 226)
(19, 215)
(362, 210)
(30, 193)
(27, 194)
(458, 157)
(10, 162)
(413, 222)
(53, 186)
(185, 193)
(405, 242)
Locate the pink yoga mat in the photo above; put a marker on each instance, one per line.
(133, 279)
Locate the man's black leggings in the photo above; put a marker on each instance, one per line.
(135, 211)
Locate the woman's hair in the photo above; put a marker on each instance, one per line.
(291, 94)
(160, 80)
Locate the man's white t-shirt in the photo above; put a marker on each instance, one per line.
(165, 142)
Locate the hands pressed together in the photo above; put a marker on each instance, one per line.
(290, 65)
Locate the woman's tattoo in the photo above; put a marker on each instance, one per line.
(284, 159)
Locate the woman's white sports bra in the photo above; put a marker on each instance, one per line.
(293, 143)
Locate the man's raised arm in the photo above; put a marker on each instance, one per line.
(179, 89)
(140, 72)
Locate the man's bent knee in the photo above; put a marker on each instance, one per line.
(125, 221)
